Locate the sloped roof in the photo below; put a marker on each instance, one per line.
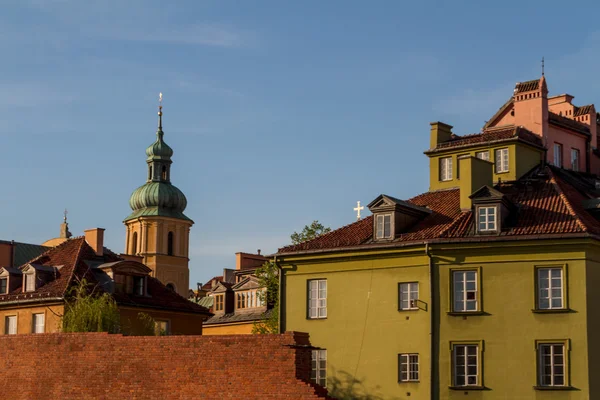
(547, 201)
(246, 316)
(568, 123)
(527, 86)
(583, 110)
(491, 135)
(26, 251)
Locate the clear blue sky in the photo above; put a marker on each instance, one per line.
(279, 112)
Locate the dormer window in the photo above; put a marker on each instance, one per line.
(487, 219)
(384, 226)
(29, 282)
(3, 285)
(138, 285)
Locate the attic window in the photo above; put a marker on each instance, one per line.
(3, 285)
(487, 219)
(384, 226)
(138, 285)
(29, 283)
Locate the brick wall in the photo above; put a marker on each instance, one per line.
(103, 366)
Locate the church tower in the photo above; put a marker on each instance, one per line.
(157, 229)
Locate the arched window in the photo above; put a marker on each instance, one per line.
(170, 286)
(164, 173)
(170, 244)
(150, 173)
(134, 243)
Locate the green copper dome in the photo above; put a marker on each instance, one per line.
(159, 150)
(157, 198)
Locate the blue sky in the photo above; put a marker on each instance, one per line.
(279, 113)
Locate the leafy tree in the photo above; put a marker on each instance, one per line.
(147, 323)
(309, 232)
(87, 311)
(268, 277)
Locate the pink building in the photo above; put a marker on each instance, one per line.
(569, 132)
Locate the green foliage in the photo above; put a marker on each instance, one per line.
(86, 311)
(268, 277)
(309, 232)
(147, 324)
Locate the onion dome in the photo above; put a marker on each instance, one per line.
(159, 150)
(158, 194)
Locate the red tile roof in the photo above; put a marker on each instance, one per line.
(492, 135)
(568, 123)
(583, 110)
(528, 86)
(547, 203)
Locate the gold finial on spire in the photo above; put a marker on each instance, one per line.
(542, 66)
(160, 110)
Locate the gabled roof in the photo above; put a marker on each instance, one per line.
(503, 109)
(385, 201)
(487, 192)
(559, 120)
(491, 135)
(547, 204)
(528, 86)
(583, 110)
(246, 316)
(250, 282)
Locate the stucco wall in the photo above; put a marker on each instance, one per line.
(229, 329)
(180, 323)
(52, 318)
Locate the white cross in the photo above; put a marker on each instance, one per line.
(358, 208)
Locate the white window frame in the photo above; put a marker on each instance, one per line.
(318, 370)
(6, 289)
(445, 169)
(408, 294)
(29, 283)
(490, 218)
(501, 160)
(555, 289)
(462, 365)
(10, 325)
(556, 361)
(483, 155)
(575, 159)
(317, 299)
(465, 290)
(216, 299)
(408, 365)
(38, 323)
(383, 221)
(558, 155)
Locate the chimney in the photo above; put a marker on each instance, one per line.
(258, 252)
(474, 173)
(95, 238)
(440, 133)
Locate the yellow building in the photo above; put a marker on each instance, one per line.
(157, 230)
(484, 287)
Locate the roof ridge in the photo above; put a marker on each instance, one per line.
(74, 265)
(561, 194)
(49, 250)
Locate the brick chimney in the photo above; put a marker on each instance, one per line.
(440, 133)
(95, 238)
(474, 173)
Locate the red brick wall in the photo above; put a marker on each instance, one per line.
(103, 366)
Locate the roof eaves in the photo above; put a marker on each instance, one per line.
(482, 144)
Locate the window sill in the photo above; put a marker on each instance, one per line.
(503, 172)
(553, 311)
(408, 309)
(465, 313)
(466, 388)
(554, 388)
(315, 319)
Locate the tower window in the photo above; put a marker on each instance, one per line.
(150, 173)
(171, 287)
(134, 243)
(164, 173)
(170, 244)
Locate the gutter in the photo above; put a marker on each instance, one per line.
(27, 301)
(431, 324)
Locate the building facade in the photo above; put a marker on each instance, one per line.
(484, 286)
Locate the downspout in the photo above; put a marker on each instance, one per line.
(12, 253)
(588, 155)
(279, 322)
(431, 322)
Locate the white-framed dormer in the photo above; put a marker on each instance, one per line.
(392, 217)
(35, 275)
(249, 295)
(492, 210)
(129, 277)
(10, 279)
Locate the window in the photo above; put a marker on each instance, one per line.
(550, 288)
(317, 298)
(134, 243)
(3, 285)
(408, 295)
(163, 174)
(483, 155)
(551, 364)
(170, 243)
(10, 325)
(575, 159)
(162, 328)
(501, 160)
(384, 226)
(465, 365)
(37, 323)
(318, 372)
(558, 154)
(486, 219)
(29, 282)
(446, 169)
(219, 302)
(465, 291)
(248, 299)
(171, 287)
(138, 285)
(408, 367)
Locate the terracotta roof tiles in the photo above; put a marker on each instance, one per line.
(492, 135)
(583, 110)
(528, 86)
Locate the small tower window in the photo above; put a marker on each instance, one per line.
(150, 173)
(171, 287)
(134, 243)
(164, 173)
(170, 244)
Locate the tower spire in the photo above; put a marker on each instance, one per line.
(160, 111)
(542, 66)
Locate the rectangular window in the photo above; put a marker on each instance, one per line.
(162, 328)
(486, 219)
(501, 160)
(575, 159)
(10, 325)
(317, 298)
(408, 294)
(3, 285)
(29, 282)
(219, 302)
(318, 372)
(138, 285)
(384, 226)
(483, 155)
(551, 364)
(465, 360)
(550, 288)
(558, 154)
(446, 169)
(38, 323)
(408, 367)
(465, 291)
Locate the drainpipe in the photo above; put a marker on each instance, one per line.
(12, 253)
(431, 322)
(588, 155)
(280, 291)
